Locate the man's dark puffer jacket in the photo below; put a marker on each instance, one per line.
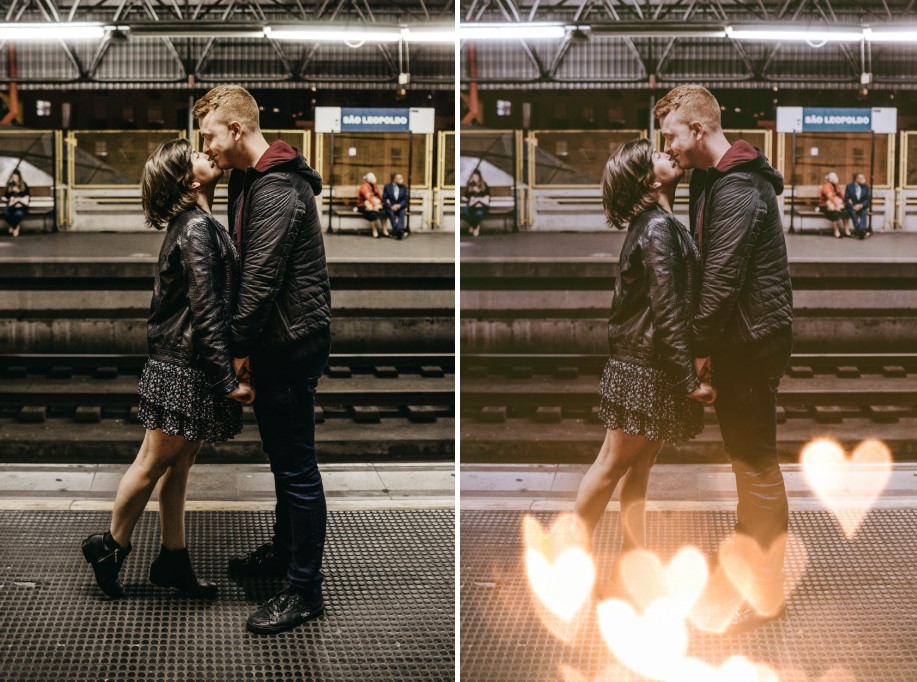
(746, 297)
(193, 297)
(284, 303)
(650, 320)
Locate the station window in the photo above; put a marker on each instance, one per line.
(42, 108)
(561, 149)
(101, 148)
(504, 107)
(589, 114)
(155, 114)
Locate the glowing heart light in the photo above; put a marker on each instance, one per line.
(848, 487)
(652, 644)
(560, 569)
(743, 560)
(734, 669)
(682, 580)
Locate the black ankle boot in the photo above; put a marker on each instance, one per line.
(106, 557)
(172, 568)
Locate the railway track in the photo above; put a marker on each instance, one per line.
(83, 408)
(544, 408)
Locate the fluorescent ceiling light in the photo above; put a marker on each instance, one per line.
(50, 31)
(788, 35)
(318, 34)
(904, 35)
(507, 31)
(428, 35)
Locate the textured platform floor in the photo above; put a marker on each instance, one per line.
(852, 609)
(882, 247)
(389, 597)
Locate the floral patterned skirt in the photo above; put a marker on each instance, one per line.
(641, 401)
(180, 402)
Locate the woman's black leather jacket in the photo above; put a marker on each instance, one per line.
(655, 297)
(193, 298)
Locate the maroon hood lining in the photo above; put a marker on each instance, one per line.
(279, 152)
(740, 152)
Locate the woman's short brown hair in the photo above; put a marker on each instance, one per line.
(165, 183)
(626, 182)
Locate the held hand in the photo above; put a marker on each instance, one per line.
(243, 369)
(705, 393)
(704, 369)
(244, 394)
(396, 207)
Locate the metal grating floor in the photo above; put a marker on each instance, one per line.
(853, 608)
(389, 597)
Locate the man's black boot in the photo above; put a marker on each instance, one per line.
(284, 611)
(268, 561)
(106, 557)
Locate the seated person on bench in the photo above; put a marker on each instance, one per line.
(831, 204)
(395, 199)
(369, 203)
(858, 200)
(477, 202)
(17, 197)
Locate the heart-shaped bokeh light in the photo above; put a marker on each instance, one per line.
(560, 569)
(648, 580)
(848, 486)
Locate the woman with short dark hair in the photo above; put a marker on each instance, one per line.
(17, 198)
(650, 393)
(189, 392)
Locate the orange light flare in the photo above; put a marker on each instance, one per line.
(847, 486)
(561, 572)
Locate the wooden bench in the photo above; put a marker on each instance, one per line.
(805, 205)
(346, 207)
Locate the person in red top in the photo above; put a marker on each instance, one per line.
(831, 203)
(369, 203)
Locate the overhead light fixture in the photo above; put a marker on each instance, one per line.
(357, 34)
(507, 31)
(893, 35)
(54, 31)
(785, 35)
(429, 34)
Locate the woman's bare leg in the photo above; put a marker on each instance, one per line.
(157, 453)
(633, 497)
(618, 453)
(172, 488)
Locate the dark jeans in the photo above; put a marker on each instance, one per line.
(474, 215)
(285, 410)
(15, 215)
(746, 408)
(396, 218)
(860, 219)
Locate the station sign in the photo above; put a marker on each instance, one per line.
(374, 120)
(836, 120)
